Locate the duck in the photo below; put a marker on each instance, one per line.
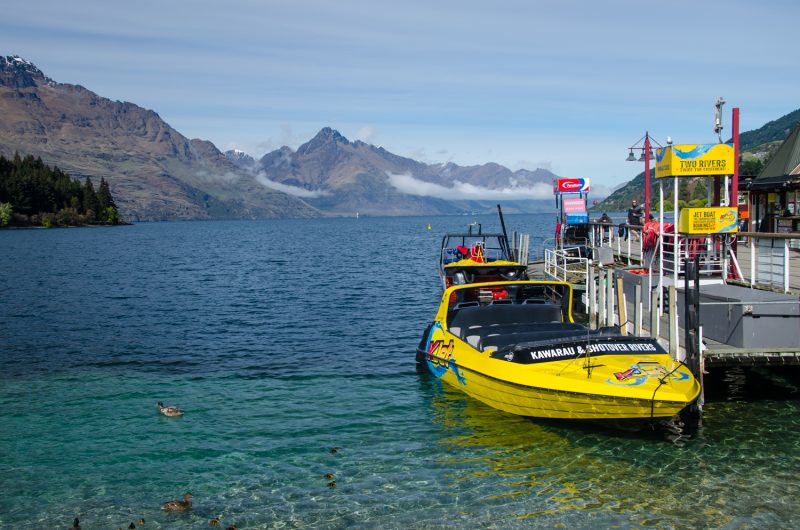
(231, 528)
(177, 506)
(140, 522)
(334, 450)
(214, 521)
(76, 524)
(131, 526)
(328, 476)
(332, 484)
(170, 410)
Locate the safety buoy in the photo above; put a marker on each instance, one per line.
(477, 253)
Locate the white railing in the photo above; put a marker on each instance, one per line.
(627, 246)
(711, 249)
(770, 260)
(566, 265)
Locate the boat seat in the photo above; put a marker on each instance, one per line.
(466, 317)
(535, 301)
(500, 341)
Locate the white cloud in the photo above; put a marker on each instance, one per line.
(463, 191)
(291, 190)
(367, 134)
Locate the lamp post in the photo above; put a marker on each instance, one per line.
(647, 153)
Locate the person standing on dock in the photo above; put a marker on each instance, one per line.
(635, 214)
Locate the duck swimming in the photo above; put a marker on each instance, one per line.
(170, 410)
(177, 506)
(76, 525)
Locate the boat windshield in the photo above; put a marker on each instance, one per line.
(555, 295)
(480, 247)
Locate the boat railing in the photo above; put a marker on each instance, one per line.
(628, 245)
(451, 255)
(566, 264)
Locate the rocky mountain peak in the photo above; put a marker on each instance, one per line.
(240, 158)
(325, 138)
(17, 72)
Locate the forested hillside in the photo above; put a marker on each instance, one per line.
(34, 194)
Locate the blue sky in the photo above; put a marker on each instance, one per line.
(564, 85)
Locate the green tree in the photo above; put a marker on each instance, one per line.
(5, 213)
(104, 195)
(90, 203)
(110, 216)
(751, 167)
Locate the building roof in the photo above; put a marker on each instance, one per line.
(783, 169)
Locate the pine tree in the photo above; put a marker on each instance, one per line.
(108, 209)
(91, 204)
(104, 195)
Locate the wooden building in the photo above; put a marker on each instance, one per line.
(774, 195)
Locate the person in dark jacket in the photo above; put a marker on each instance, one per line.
(635, 214)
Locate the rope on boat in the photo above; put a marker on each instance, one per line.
(662, 381)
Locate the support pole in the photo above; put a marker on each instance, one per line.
(691, 321)
(591, 291)
(674, 346)
(609, 297)
(654, 314)
(692, 326)
(735, 180)
(646, 176)
(622, 308)
(637, 310)
(601, 299)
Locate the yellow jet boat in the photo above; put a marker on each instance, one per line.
(514, 346)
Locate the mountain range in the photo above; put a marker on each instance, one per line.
(156, 173)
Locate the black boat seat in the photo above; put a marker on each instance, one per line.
(500, 341)
(501, 314)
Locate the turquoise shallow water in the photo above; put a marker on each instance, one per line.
(282, 339)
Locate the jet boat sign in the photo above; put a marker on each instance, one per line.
(571, 185)
(525, 354)
(694, 160)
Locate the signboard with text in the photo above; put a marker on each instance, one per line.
(717, 220)
(694, 160)
(571, 185)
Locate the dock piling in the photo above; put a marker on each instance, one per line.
(622, 308)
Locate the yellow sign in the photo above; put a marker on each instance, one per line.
(694, 160)
(718, 220)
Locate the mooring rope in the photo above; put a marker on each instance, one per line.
(663, 381)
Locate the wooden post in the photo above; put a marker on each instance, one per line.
(601, 299)
(610, 297)
(591, 292)
(674, 346)
(637, 310)
(622, 308)
(654, 321)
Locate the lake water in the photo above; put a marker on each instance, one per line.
(284, 339)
